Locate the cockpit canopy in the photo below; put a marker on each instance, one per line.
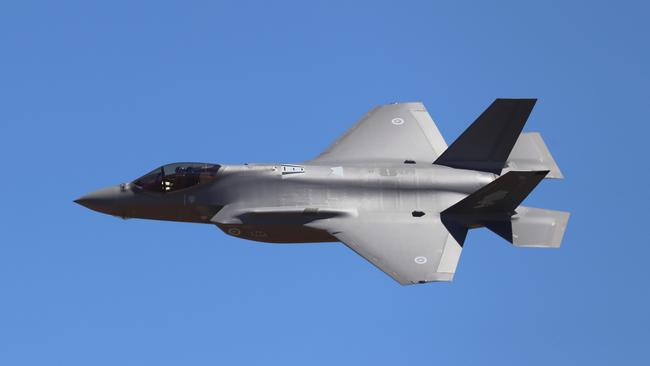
(173, 177)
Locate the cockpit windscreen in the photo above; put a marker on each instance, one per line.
(173, 177)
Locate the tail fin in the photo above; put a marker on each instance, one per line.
(494, 206)
(487, 143)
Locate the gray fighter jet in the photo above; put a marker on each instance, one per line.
(390, 189)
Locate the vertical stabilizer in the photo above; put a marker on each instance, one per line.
(492, 206)
(487, 143)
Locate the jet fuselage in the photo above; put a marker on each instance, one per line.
(272, 202)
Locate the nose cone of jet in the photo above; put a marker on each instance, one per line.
(105, 200)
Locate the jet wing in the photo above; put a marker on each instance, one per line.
(410, 249)
(388, 133)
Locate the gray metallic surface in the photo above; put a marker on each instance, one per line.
(375, 189)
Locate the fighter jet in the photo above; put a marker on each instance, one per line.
(389, 188)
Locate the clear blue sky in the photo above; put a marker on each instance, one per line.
(94, 94)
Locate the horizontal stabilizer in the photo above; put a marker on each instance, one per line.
(536, 227)
(530, 153)
(487, 143)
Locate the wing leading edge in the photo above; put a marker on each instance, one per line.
(410, 249)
